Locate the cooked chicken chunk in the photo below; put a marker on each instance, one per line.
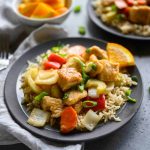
(98, 52)
(139, 14)
(53, 104)
(98, 66)
(78, 107)
(68, 77)
(109, 72)
(73, 63)
(75, 96)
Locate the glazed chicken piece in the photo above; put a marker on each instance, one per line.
(53, 104)
(78, 107)
(99, 66)
(75, 96)
(98, 52)
(68, 77)
(71, 63)
(110, 71)
(139, 14)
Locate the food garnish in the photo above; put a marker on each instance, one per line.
(119, 54)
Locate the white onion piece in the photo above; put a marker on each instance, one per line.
(38, 117)
(92, 92)
(90, 120)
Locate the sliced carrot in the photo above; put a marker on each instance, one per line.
(77, 50)
(68, 120)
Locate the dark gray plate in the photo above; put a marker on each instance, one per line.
(110, 29)
(13, 96)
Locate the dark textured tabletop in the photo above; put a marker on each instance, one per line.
(136, 134)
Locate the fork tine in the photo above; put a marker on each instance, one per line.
(4, 46)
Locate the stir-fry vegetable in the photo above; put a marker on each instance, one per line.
(56, 58)
(84, 75)
(88, 50)
(55, 91)
(100, 103)
(128, 92)
(100, 86)
(68, 120)
(38, 117)
(92, 92)
(57, 48)
(89, 104)
(90, 120)
(40, 96)
(132, 100)
(53, 65)
(66, 95)
(134, 78)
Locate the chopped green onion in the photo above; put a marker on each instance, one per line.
(120, 16)
(62, 55)
(132, 100)
(114, 8)
(77, 9)
(128, 92)
(40, 96)
(85, 77)
(45, 55)
(57, 48)
(82, 30)
(66, 95)
(81, 87)
(134, 78)
(89, 104)
(88, 50)
(80, 62)
(94, 67)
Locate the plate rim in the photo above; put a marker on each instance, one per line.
(109, 29)
(58, 139)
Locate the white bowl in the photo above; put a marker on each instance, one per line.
(38, 22)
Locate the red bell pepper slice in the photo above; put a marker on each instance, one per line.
(51, 65)
(130, 2)
(121, 4)
(100, 103)
(56, 58)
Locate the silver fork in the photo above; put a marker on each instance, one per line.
(4, 50)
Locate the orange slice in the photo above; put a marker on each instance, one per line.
(43, 11)
(27, 8)
(119, 54)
